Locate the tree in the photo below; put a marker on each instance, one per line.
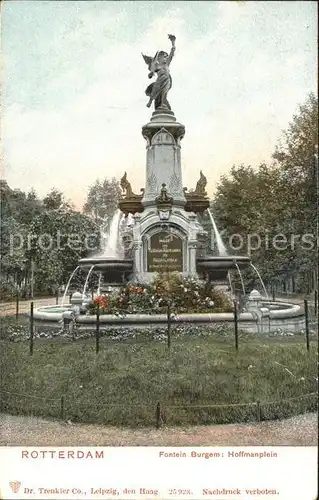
(245, 207)
(277, 199)
(35, 206)
(12, 250)
(55, 200)
(47, 237)
(296, 164)
(12, 201)
(295, 156)
(295, 149)
(59, 238)
(102, 199)
(241, 197)
(17, 211)
(15, 203)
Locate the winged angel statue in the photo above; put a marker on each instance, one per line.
(159, 65)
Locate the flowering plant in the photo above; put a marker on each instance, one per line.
(103, 303)
(184, 294)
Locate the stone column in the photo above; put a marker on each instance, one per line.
(138, 258)
(163, 159)
(192, 247)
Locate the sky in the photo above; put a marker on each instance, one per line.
(73, 83)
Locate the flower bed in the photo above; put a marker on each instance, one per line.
(184, 295)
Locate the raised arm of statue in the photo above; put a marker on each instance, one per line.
(171, 55)
(172, 52)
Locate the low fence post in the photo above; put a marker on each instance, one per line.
(31, 329)
(158, 415)
(73, 326)
(258, 411)
(307, 323)
(269, 324)
(273, 294)
(236, 324)
(169, 325)
(97, 333)
(57, 297)
(17, 304)
(62, 409)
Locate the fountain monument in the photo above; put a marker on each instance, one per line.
(161, 229)
(166, 234)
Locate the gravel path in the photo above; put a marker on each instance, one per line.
(9, 308)
(29, 431)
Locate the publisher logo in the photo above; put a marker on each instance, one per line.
(15, 486)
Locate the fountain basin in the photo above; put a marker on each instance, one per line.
(195, 203)
(216, 268)
(286, 316)
(225, 263)
(115, 271)
(131, 205)
(107, 263)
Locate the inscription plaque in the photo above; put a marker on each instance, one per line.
(165, 253)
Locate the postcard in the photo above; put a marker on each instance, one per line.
(159, 250)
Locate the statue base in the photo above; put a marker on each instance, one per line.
(163, 163)
(162, 111)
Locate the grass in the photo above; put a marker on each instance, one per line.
(124, 382)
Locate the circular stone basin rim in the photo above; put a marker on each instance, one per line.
(226, 261)
(105, 262)
(232, 258)
(49, 313)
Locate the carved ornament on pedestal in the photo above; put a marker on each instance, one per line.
(130, 203)
(164, 203)
(197, 201)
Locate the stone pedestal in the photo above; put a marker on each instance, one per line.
(165, 236)
(163, 157)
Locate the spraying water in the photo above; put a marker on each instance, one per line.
(220, 245)
(68, 284)
(260, 279)
(99, 284)
(130, 220)
(86, 282)
(111, 238)
(230, 284)
(241, 278)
